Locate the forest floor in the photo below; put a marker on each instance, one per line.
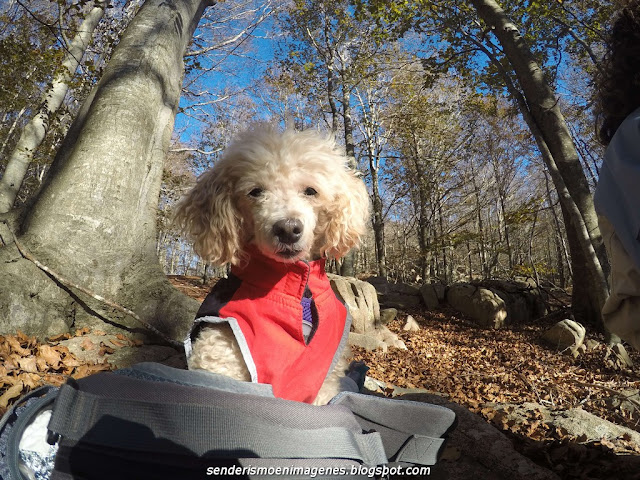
(473, 367)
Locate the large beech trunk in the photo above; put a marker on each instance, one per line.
(94, 221)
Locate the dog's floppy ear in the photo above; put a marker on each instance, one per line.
(347, 214)
(209, 217)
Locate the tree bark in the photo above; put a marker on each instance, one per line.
(378, 219)
(542, 113)
(94, 220)
(348, 267)
(35, 131)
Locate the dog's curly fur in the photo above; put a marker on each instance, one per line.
(263, 178)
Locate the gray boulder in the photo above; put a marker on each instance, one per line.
(433, 294)
(361, 299)
(566, 335)
(396, 295)
(481, 304)
(411, 325)
(524, 300)
(388, 315)
(476, 449)
(497, 303)
(382, 338)
(576, 422)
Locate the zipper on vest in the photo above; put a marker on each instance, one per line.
(309, 310)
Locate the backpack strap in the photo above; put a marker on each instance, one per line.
(412, 432)
(121, 412)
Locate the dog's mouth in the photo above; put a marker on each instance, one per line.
(288, 252)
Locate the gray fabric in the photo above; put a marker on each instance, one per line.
(345, 385)
(201, 378)
(420, 450)
(411, 431)
(617, 194)
(252, 428)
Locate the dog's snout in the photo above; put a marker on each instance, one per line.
(288, 230)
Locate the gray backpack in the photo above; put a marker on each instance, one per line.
(156, 422)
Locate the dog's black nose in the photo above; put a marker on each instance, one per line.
(288, 230)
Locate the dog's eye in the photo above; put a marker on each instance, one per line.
(256, 192)
(310, 191)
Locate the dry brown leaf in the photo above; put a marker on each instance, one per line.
(82, 331)
(28, 364)
(105, 349)
(62, 349)
(31, 380)
(11, 393)
(41, 364)
(11, 362)
(70, 362)
(87, 344)
(14, 343)
(51, 356)
(59, 338)
(55, 380)
(25, 340)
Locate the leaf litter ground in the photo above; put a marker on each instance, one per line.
(474, 367)
(478, 368)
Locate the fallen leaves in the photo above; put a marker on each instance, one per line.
(478, 367)
(14, 391)
(26, 363)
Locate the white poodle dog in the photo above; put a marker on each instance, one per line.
(274, 207)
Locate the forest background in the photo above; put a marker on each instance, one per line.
(471, 122)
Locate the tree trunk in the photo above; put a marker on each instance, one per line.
(94, 221)
(35, 131)
(378, 220)
(347, 269)
(552, 134)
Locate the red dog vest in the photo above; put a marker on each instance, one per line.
(262, 303)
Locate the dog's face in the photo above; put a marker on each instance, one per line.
(290, 194)
(280, 210)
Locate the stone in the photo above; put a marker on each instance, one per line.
(361, 299)
(374, 386)
(591, 344)
(396, 295)
(411, 325)
(390, 338)
(94, 348)
(485, 307)
(429, 296)
(566, 335)
(524, 301)
(388, 315)
(400, 300)
(381, 284)
(381, 338)
(476, 449)
(577, 422)
(624, 360)
(368, 342)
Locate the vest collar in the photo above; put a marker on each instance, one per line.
(290, 278)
